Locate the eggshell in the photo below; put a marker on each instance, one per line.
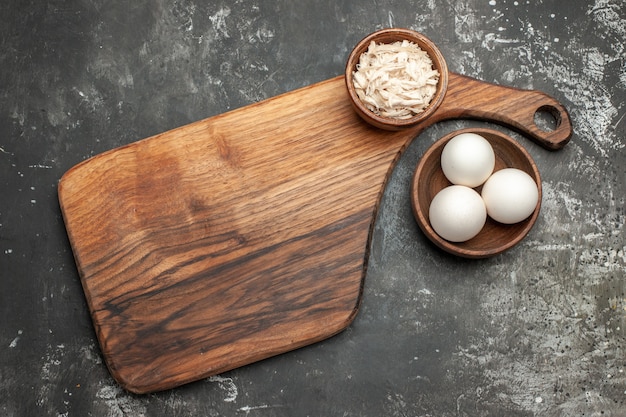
(457, 213)
(510, 195)
(467, 159)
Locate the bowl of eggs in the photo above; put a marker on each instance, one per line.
(396, 78)
(476, 193)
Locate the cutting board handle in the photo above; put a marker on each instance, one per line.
(470, 98)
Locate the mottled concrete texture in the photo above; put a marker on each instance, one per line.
(537, 331)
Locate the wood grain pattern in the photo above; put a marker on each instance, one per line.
(513, 107)
(237, 237)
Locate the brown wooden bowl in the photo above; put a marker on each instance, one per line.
(429, 179)
(389, 36)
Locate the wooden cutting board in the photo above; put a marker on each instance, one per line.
(245, 235)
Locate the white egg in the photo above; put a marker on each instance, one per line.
(457, 213)
(510, 195)
(467, 159)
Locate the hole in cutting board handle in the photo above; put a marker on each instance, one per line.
(547, 118)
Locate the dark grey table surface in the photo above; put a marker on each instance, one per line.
(537, 331)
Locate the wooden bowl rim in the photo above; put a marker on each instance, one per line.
(461, 249)
(387, 36)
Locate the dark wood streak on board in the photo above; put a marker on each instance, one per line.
(258, 301)
(244, 235)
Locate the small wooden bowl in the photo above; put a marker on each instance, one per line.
(390, 36)
(429, 179)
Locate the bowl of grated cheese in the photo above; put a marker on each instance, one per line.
(396, 78)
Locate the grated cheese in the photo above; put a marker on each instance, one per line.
(395, 80)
